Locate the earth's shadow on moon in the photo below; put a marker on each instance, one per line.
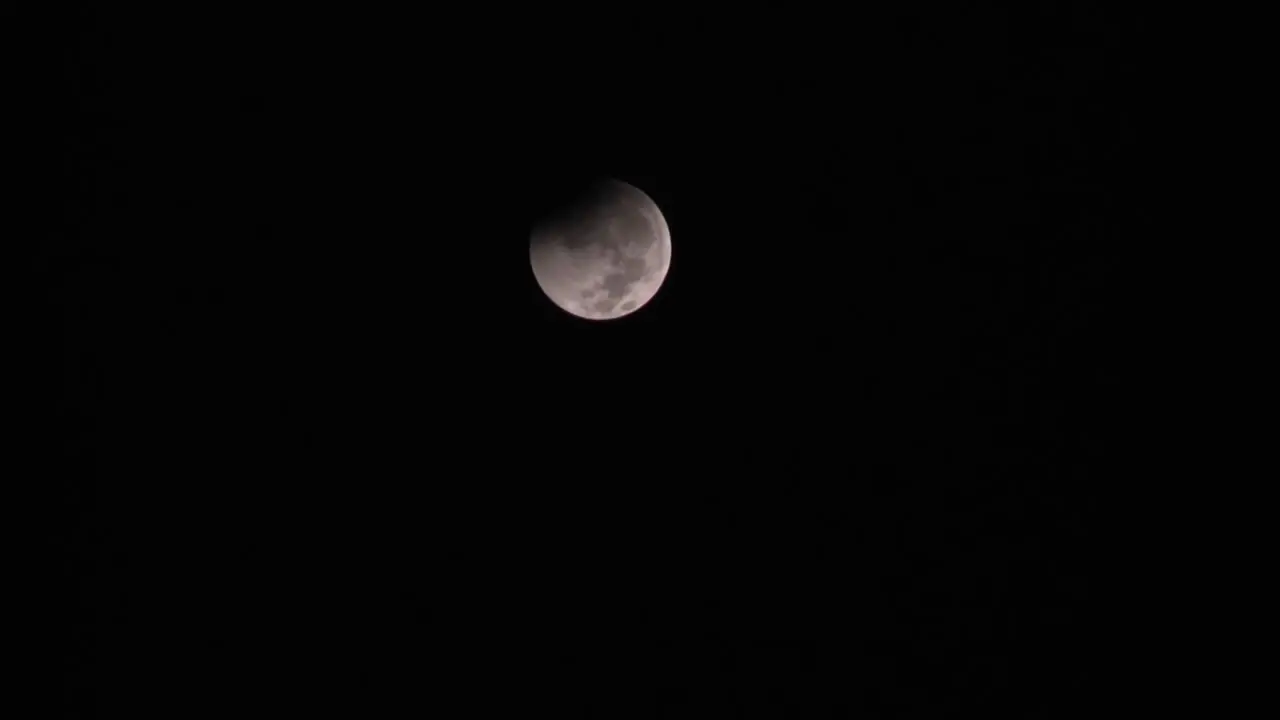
(568, 200)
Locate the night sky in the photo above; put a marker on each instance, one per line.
(324, 446)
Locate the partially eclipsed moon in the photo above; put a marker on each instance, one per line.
(604, 255)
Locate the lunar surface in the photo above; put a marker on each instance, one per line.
(603, 255)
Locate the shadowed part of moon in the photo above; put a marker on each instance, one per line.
(603, 255)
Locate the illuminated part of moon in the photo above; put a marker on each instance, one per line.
(603, 256)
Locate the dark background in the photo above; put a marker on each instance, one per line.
(324, 446)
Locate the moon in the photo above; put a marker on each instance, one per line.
(604, 254)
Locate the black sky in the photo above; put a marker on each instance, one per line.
(324, 444)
